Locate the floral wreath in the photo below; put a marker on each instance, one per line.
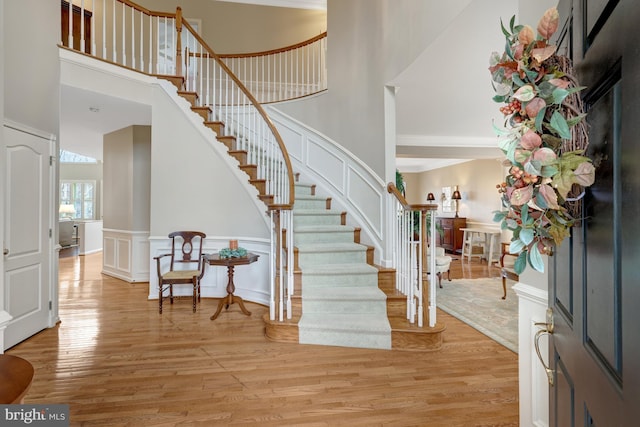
(544, 139)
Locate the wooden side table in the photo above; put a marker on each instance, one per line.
(16, 375)
(230, 263)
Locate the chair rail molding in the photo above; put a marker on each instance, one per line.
(534, 389)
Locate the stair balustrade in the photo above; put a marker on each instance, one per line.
(166, 45)
(282, 74)
(409, 254)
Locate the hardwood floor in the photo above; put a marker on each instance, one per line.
(117, 362)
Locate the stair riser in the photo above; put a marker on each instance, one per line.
(344, 306)
(303, 237)
(337, 257)
(341, 280)
(326, 219)
(346, 339)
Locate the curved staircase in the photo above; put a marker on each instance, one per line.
(342, 298)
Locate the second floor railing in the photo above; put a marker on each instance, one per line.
(282, 74)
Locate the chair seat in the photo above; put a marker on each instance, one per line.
(443, 260)
(180, 275)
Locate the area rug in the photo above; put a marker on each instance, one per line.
(478, 303)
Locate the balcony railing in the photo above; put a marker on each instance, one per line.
(277, 75)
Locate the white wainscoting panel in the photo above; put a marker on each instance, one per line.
(337, 173)
(534, 388)
(332, 167)
(125, 255)
(367, 199)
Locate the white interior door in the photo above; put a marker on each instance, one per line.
(26, 233)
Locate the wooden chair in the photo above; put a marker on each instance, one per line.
(507, 261)
(184, 266)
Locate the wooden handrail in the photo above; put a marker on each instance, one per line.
(275, 51)
(392, 189)
(260, 110)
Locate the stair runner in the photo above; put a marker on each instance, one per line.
(341, 302)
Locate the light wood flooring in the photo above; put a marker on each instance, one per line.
(117, 362)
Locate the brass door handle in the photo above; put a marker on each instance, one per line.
(548, 328)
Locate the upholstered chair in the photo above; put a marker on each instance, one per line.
(443, 263)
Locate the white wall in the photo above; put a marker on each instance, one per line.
(29, 91)
(476, 179)
(127, 171)
(240, 28)
(369, 43)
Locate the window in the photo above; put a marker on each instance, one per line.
(80, 194)
(69, 157)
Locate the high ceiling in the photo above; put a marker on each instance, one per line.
(444, 106)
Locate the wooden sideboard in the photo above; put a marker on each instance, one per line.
(451, 237)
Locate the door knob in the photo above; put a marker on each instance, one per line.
(6, 251)
(547, 329)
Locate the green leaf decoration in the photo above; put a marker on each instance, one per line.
(504, 30)
(559, 124)
(545, 91)
(540, 120)
(500, 131)
(531, 75)
(498, 216)
(524, 214)
(525, 93)
(516, 246)
(548, 171)
(521, 263)
(533, 167)
(559, 95)
(526, 236)
(512, 22)
(575, 120)
(540, 201)
(535, 259)
(499, 98)
(551, 141)
(517, 80)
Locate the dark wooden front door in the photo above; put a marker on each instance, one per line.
(594, 277)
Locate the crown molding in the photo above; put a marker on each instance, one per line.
(296, 4)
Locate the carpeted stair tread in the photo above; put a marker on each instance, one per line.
(309, 197)
(331, 247)
(339, 269)
(316, 212)
(344, 293)
(322, 228)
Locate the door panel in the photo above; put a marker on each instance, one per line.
(593, 275)
(26, 231)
